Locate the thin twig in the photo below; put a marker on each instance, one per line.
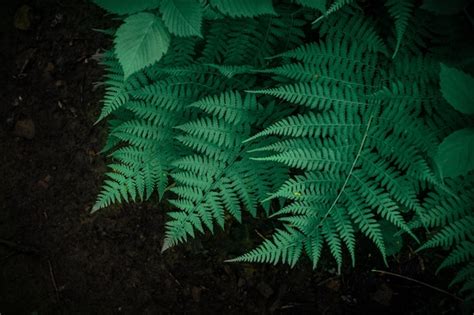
(53, 279)
(419, 282)
(260, 234)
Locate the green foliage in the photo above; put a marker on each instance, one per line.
(314, 4)
(456, 153)
(226, 107)
(452, 218)
(244, 8)
(140, 41)
(400, 11)
(457, 88)
(182, 17)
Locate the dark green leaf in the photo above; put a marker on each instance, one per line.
(458, 89)
(456, 153)
(140, 41)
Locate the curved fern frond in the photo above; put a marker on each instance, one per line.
(230, 106)
(334, 7)
(137, 174)
(400, 11)
(285, 247)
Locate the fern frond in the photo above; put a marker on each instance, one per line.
(463, 252)
(215, 131)
(357, 27)
(365, 219)
(244, 8)
(313, 159)
(316, 96)
(231, 71)
(400, 11)
(285, 247)
(346, 231)
(138, 173)
(309, 185)
(453, 233)
(326, 124)
(334, 7)
(314, 4)
(230, 106)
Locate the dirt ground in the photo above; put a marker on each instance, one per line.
(57, 258)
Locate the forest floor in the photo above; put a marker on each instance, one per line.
(55, 257)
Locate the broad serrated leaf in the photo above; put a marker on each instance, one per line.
(182, 17)
(127, 7)
(140, 41)
(457, 88)
(456, 153)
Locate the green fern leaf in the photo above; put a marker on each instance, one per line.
(345, 229)
(244, 8)
(400, 11)
(332, 238)
(314, 4)
(463, 252)
(334, 7)
(315, 96)
(453, 233)
(312, 159)
(230, 106)
(286, 247)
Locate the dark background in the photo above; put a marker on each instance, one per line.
(57, 258)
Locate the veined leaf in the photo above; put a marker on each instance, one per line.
(456, 153)
(182, 17)
(457, 88)
(140, 41)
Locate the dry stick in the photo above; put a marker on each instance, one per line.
(419, 282)
(260, 234)
(53, 279)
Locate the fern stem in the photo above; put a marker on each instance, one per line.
(362, 143)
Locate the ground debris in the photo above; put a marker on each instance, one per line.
(25, 128)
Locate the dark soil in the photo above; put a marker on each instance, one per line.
(55, 257)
